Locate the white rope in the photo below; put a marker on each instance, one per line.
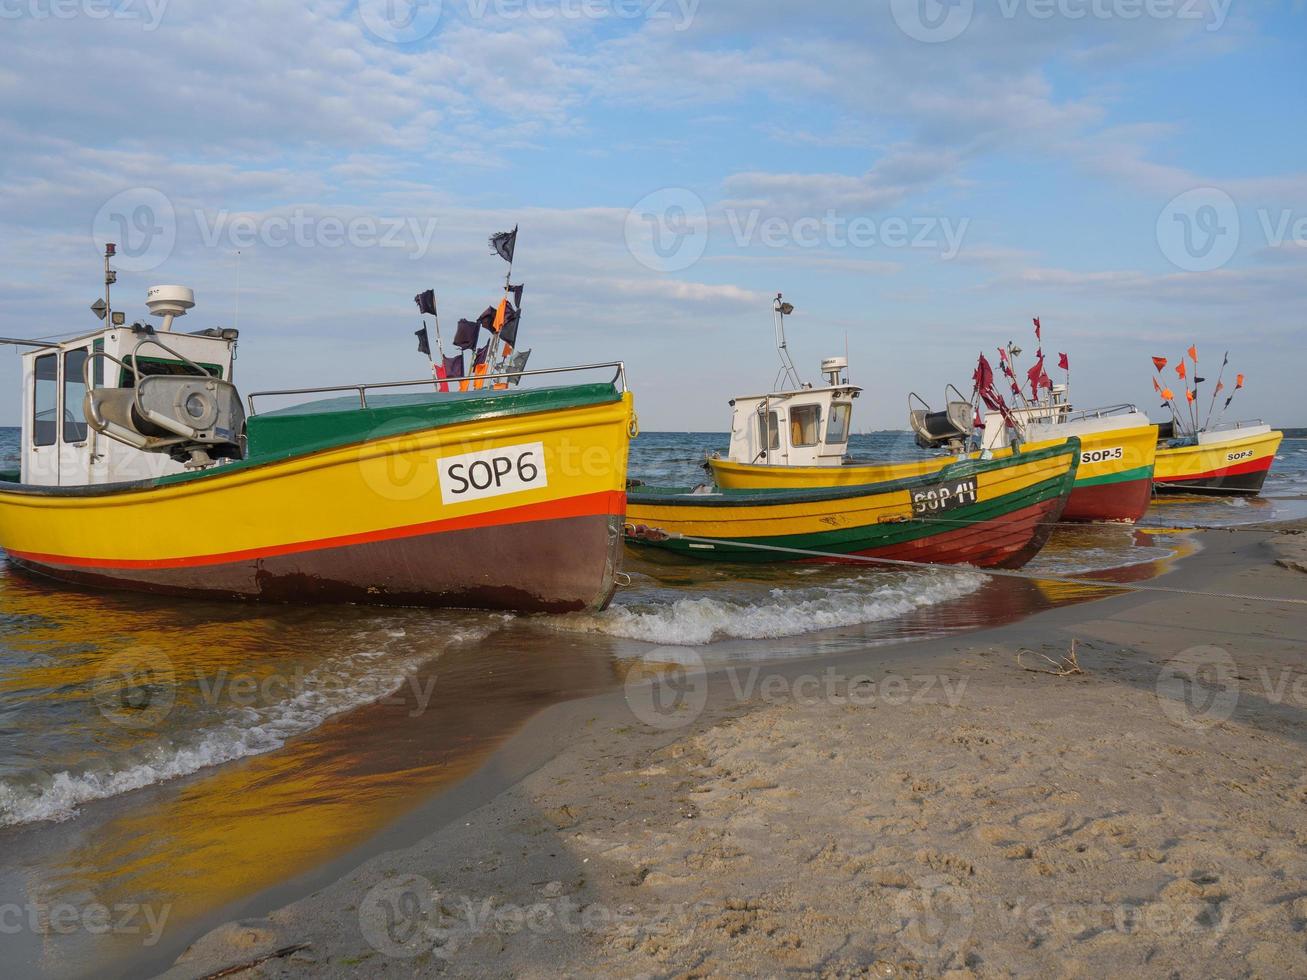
(996, 572)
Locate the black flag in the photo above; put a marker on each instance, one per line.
(518, 363)
(465, 337)
(508, 332)
(517, 295)
(426, 302)
(424, 342)
(504, 243)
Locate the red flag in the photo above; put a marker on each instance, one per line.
(1002, 355)
(1156, 387)
(1180, 371)
(977, 424)
(1159, 362)
(1220, 386)
(1037, 377)
(1193, 352)
(1063, 363)
(984, 379)
(1037, 337)
(1238, 381)
(1015, 390)
(440, 376)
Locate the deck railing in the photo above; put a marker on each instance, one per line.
(619, 379)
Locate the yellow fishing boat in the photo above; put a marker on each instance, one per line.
(797, 437)
(141, 470)
(989, 513)
(1233, 460)
(1208, 456)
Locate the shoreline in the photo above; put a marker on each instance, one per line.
(599, 741)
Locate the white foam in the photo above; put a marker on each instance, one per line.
(694, 622)
(247, 730)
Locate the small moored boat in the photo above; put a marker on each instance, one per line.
(991, 514)
(1233, 460)
(142, 471)
(1209, 456)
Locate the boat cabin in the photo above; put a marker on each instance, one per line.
(805, 426)
(59, 448)
(1054, 409)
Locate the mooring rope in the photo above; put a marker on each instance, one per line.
(652, 534)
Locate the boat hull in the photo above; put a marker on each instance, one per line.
(1017, 501)
(1113, 482)
(1237, 466)
(372, 522)
(1123, 500)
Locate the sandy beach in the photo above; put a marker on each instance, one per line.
(929, 808)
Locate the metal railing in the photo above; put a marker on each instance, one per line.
(1229, 426)
(619, 378)
(1098, 413)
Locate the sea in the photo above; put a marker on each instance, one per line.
(273, 739)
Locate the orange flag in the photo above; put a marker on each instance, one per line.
(501, 312)
(1156, 387)
(1179, 370)
(1159, 362)
(1168, 394)
(1189, 395)
(1193, 352)
(1238, 381)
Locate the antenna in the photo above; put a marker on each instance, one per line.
(788, 374)
(236, 316)
(110, 277)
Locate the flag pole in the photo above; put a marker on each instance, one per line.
(493, 352)
(1217, 390)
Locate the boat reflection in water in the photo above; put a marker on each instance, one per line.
(305, 798)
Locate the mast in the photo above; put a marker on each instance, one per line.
(788, 374)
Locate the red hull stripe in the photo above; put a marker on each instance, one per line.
(604, 502)
(1109, 501)
(1238, 469)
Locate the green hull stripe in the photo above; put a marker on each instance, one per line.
(849, 540)
(341, 421)
(1128, 476)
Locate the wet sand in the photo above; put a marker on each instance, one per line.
(916, 808)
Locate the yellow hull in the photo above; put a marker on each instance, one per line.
(1238, 464)
(1112, 483)
(391, 518)
(992, 513)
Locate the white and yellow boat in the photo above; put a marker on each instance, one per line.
(1233, 459)
(140, 470)
(796, 437)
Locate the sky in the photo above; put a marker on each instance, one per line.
(919, 178)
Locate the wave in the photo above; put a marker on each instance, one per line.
(368, 677)
(787, 612)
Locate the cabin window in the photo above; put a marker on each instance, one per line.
(805, 424)
(74, 392)
(45, 401)
(837, 426)
(769, 431)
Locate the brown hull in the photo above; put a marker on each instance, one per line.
(557, 565)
